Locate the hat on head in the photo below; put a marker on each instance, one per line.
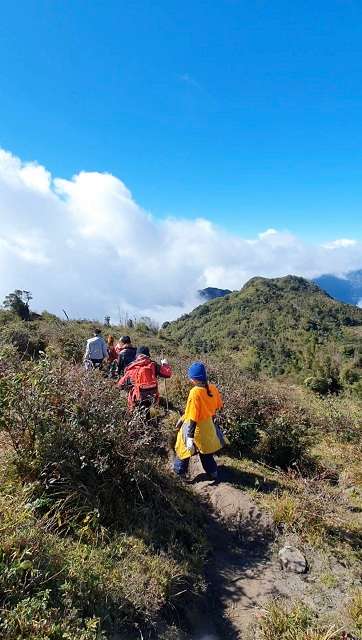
(197, 371)
(143, 351)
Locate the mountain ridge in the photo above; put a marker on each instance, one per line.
(273, 324)
(347, 289)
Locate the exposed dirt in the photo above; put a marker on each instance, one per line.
(243, 571)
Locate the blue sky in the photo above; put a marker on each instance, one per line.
(246, 112)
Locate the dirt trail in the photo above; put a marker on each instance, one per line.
(242, 571)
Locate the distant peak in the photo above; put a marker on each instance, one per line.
(209, 293)
(294, 283)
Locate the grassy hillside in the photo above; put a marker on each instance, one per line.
(96, 536)
(278, 325)
(67, 339)
(100, 541)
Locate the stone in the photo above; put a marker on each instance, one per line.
(291, 559)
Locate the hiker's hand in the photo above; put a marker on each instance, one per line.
(163, 361)
(190, 444)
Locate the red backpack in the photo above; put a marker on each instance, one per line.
(145, 385)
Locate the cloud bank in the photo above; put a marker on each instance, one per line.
(86, 246)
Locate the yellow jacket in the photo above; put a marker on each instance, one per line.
(201, 408)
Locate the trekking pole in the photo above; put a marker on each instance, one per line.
(166, 395)
(166, 391)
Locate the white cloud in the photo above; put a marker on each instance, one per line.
(86, 246)
(27, 247)
(342, 242)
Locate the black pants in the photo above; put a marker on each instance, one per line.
(207, 461)
(97, 364)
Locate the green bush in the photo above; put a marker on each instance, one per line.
(317, 384)
(351, 375)
(25, 337)
(73, 436)
(357, 389)
(284, 442)
(71, 343)
(263, 420)
(244, 437)
(98, 513)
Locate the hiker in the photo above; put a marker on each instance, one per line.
(111, 348)
(198, 433)
(126, 354)
(112, 357)
(141, 378)
(96, 350)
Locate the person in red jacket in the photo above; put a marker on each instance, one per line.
(112, 357)
(111, 348)
(140, 377)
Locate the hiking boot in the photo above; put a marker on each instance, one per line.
(182, 478)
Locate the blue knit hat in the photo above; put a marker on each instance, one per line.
(197, 372)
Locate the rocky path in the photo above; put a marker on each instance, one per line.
(243, 571)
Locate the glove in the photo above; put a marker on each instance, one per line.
(190, 444)
(163, 361)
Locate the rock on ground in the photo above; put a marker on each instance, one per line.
(291, 559)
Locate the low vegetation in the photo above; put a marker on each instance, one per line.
(298, 622)
(282, 326)
(95, 536)
(98, 540)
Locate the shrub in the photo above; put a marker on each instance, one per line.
(338, 416)
(350, 375)
(285, 441)
(70, 342)
(73, 436)
(244, 437)
(25, 337)
(264, 420)
(99, 513)
(317, 384)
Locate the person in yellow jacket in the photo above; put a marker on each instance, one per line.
(198, 433)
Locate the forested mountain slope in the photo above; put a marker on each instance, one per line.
(276, 324)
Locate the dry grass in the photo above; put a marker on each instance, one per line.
(296, 622)
(355, 609)
(320, 512)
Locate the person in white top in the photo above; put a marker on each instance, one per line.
(96, 350)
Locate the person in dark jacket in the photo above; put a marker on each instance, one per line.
(127, 354)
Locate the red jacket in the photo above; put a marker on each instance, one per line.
(112, 354)
(127, 380)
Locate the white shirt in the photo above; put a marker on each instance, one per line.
(96, 348)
